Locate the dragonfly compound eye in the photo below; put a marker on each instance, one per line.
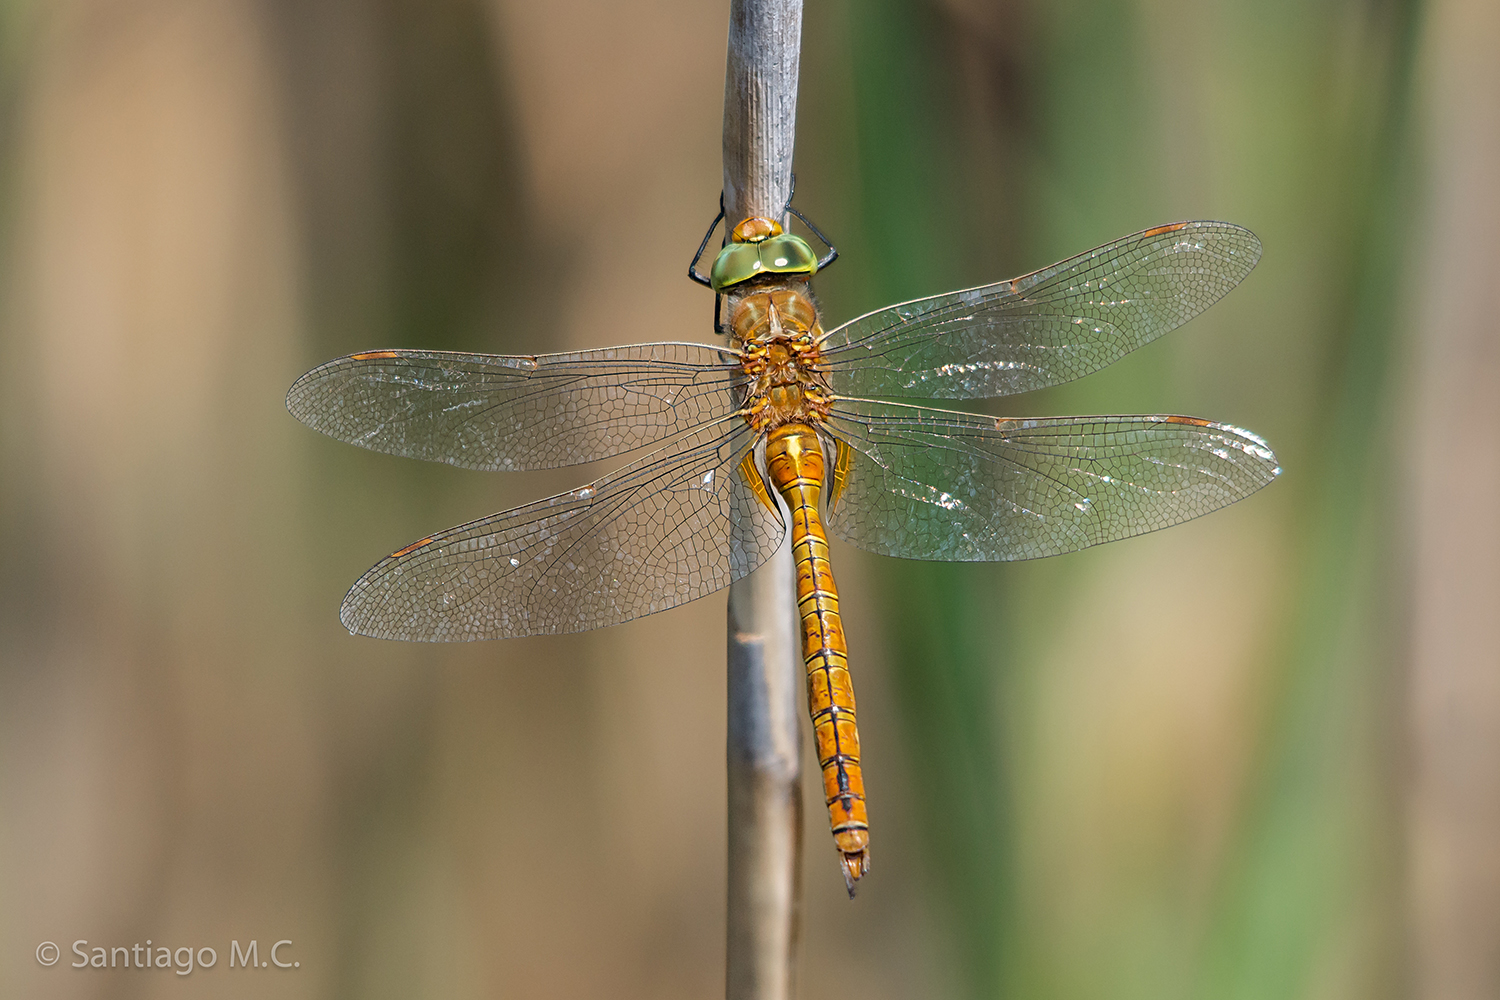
(779, 254)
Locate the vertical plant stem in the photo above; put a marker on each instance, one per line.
(764, 731)
(943, 622)
(1454, 469)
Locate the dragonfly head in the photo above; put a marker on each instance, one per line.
(755, 229)
(760, 246)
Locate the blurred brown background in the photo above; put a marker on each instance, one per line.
(1257, 756)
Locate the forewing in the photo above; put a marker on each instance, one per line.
(1052, 326)
(677, 525)
(490, 411)
(933, 484)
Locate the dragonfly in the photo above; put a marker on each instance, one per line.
(788, 427)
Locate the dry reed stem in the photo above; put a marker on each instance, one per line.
(765, 678)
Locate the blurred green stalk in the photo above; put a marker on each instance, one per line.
(945, 670)
(1299, 881)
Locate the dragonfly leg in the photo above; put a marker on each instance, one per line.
(693, 264)
(833, 252)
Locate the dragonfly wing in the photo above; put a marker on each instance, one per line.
(934, 484)
(677, 525)
(1052, 326)
(489, 411)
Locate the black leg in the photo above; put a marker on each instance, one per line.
(833, 253)
(693, 266)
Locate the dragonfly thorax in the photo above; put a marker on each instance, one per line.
(777, 333)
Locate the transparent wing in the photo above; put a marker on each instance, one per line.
(933, 484)
(490, 411)
(1052, 326)
(677, 525)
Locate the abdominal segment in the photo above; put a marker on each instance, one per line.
(794, 462)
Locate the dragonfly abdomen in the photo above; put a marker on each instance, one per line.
(794, 462)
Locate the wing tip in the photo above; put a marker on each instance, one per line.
(1251, 251)
(1250, 443)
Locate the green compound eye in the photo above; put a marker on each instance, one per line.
(782, 254)
(736, 263)
(788, 254)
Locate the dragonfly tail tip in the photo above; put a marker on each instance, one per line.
(854, 866)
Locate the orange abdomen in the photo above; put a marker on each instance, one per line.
(794, 462)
